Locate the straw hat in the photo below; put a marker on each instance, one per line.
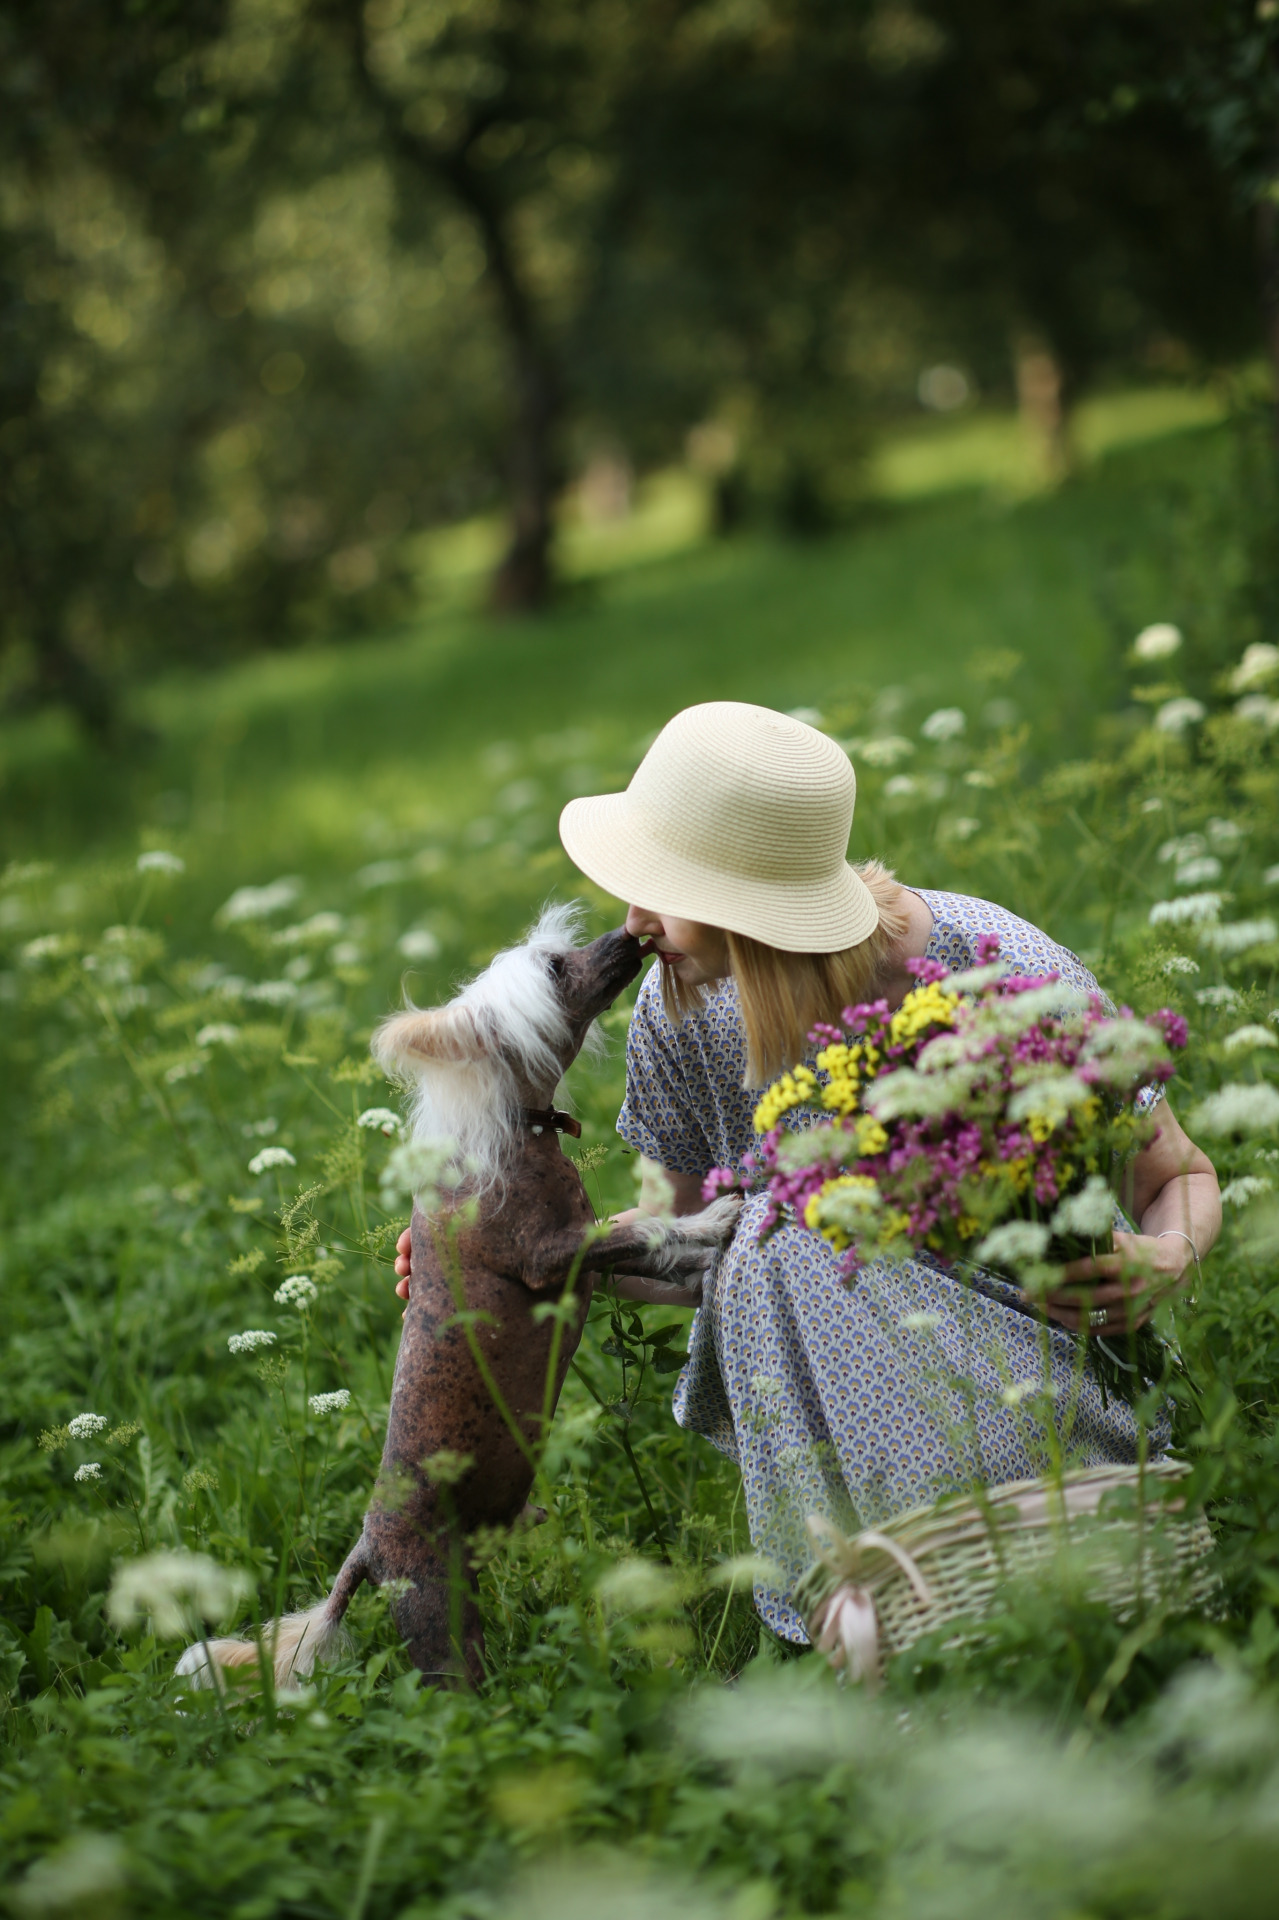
(737, 817)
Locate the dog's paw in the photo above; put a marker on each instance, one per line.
(715, 1225)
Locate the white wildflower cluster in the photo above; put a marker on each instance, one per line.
(901, 786)
(259, 903)
(47, 946)
(1259, 708)
(816, 1146)
(921, 1320)
(299, 1291)
(347, 953)
(419, 943)
(1259, 665)
(158, 861)
(1052, 1098)
(379, 1120)
(1017, 1243)
(219, 1033)
(91, 1470)
(313, 932)
(1090, 1213)
(250, 1341)
(1193, 909)
(1157, 642)
(1123, 1050)
(850, 1210)
(1237, 1193)
(268, 1157)
(85, 1425)
(419, 1170)
(336, 1402)
(1238, 936)
(1238, 1108)
(1199, 871)
(273, 993)
(1176, 716)
(1018, 1391)
(885, 750)
(175, 1591)
(1248, 1039)
(947, 723)
(1179, 963)
(1217, 996)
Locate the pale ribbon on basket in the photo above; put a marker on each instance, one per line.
(846, 1623)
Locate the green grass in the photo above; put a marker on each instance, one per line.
(412, 784)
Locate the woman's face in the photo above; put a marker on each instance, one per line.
(696, 954)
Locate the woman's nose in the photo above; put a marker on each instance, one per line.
(641, 924)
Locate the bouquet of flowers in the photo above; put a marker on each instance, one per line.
(986, 1120)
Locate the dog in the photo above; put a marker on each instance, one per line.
(483, 1072)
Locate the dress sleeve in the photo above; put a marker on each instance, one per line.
(659, 1115)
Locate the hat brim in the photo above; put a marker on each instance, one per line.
(603, 836)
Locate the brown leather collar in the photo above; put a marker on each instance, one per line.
(540, 1117)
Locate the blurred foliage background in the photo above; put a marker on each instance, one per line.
(287, 284)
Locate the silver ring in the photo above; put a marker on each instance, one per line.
(1097, 1318)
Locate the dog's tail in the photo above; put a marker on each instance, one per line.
(293, 1643)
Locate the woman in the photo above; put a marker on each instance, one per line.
(730, 846)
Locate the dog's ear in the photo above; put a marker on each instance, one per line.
(407, 1041)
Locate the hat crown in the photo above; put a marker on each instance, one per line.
(757, 793)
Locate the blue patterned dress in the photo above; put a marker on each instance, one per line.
(855, 1402)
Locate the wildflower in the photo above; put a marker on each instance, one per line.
(1174, 716)
(900, 787)
(299, 1291)
(419, 943)
(1238, 1108)
(259, 903)
(346, 954)
(792, 1090)
(1157, 642)
(1183, 846)
(1259, 707)
(1270, 878)
(843, 1209)
(273, 993)
(1020, 1390)
(85, 1425)
(249, 1342)
(1259, 664)
(47, 946)
(1238, 1192)
(380, 873)
(199, 1480)
(921, 1321)
(1193, 909)
(1195, 872)
(91, 1470)
(320, 926)
(1014, 1244)
(1225, 833)
(1045, 1103)
(269, 1157)
(1245, 1038)
(946, 724)
(1220, 996)
(379, 1120)
(174, 1590)
(220, 1033)
(886, 750)
(1179, 963)
(419, 1170)
(1089, 1213)
(157, 861)
(964, 828)
(1239, 935)
(336, 1402)
(183, 1070)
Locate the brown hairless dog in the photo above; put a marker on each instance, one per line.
(511, 1236)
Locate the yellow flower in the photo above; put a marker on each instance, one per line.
(893, 1225)
(968, 1228)
(792, 1090)
(1040, 1127)
(815, 1216)
(871, 1136)
(925, 1007)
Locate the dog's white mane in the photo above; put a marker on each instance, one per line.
(474, 1100)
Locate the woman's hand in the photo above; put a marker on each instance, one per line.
(1123, 1288)
(404, 1264)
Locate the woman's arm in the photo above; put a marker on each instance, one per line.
(1175, 1199)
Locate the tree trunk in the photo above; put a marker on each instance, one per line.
(1040, 403)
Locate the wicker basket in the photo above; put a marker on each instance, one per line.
(870, 1596)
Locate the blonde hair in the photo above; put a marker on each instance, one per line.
(784, 995)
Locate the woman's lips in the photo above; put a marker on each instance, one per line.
(668, 959)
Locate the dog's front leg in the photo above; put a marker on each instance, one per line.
(676, 1251)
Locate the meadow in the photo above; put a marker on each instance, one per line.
(200, 929)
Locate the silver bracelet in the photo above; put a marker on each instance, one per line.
(1190, 1243)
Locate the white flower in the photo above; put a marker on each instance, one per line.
(851, 1209)
(1225, 833)
(299, 1291)
(85, 1425)
(1218, 996)
(1123, 1050)
(1184, 846)
(1239, 935)
(1270, 878)
(1089, 1213)
(418, 944)
(1244, 1038)
(885, 750)
(1157, 642)
(900, 786)
(946, 724)
(1052, 1098)
(1259, 664)
(1015, 1244)
(419, 1170)
(382, 873)
(1260, 708)
(321, 926)
(89, 1471)
(249, 1342)
(1179, 963)
(183, 1070)
(322, 1403)
(259, 903)
(346, 954)
(175, 1591)
(47, 946)
(379, 1120)
(1176, 715)
(157, 861)
(1020, 1390)
(220, 1033)
(273, 993)
(1237, 1109)
(1238, 1192)
(963, 828)
(1193, 908)
(1195, 872)
(269, 1157)
(920, 1321)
